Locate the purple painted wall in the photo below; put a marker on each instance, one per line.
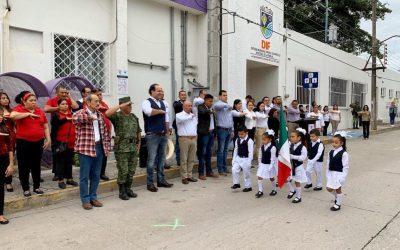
(200, 5)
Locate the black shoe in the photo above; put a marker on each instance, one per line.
(259, 194)
(296, 200)
(41, 180)
(55, 178)
(130, 193)
(235, 186)
(291, 194)
(335, 207)
(247, 190)
(4, 222)
(72, 183)
(122, 193)
(273, 193)
(62, 185)
(27, 194)
(164, 184)
(11, 189)
(192, 179)
(38, 191)
(167, 167)
(317, 189)
(308, 186)
(104, 177)
(152, 188)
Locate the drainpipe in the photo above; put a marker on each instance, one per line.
(3, 28)
(182, 47)
(172, 29)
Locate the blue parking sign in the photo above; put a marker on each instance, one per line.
(310, 80)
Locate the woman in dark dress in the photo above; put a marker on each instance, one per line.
(273, 122)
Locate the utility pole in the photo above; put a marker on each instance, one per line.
(373, 77)
(326, 20)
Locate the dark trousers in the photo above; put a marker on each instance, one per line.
(355, 121)
(366, 129)
(4, 162)
(325, 132)
(64, 164)
(29, 157)
(205, 144)
(8, 180)
(392, 117)
(103, 166)
(252, 133)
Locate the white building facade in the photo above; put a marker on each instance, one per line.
(123, 46)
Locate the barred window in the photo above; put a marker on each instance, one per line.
(398, 94)
(302, 94)
(81, 57)
(359, 93)
(391, 93)
(383, 92)
(337, 92)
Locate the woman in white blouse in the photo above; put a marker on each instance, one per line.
(250, 121)
(261, 126)
(335, 118)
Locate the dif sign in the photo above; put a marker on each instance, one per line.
(310, 80)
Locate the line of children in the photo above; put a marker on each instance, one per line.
(267, 157)
(315, 160)
(242, 157)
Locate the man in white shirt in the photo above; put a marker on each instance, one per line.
(186, 122)
(198, 101)
(319, 123)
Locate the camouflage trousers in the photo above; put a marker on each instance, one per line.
(126, 165)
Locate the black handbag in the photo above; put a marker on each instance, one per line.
(61, 147)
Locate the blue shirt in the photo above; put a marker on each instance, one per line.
(223, 112)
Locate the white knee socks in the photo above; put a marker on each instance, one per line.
(290, 186)
(273, 185)
(260, 185)
(298, 192)
(339, 199)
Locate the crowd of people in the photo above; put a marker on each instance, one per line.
(83, 128)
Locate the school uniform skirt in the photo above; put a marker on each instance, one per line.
(334, 179)
(266, 171)
(300, 174)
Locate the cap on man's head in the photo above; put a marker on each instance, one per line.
(124, 99)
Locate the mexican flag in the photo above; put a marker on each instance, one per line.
(284, 165)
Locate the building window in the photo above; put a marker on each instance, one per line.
(302, 94)
(359, 93)
(391, 93)
(398, 94)
(383, 92)
(337, 92)
(81, 57)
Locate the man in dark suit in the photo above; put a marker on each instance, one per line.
(178, 107)
(205, 132)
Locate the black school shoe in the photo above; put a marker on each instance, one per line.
(235, 186)
(317, 189)
(273, 193)
(296, 200)
(259, 194)
(335, 207)
(247, 190)
(308, 186)
(291, 194)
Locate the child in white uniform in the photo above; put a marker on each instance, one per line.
(242, 157)
(298, 154)
(337, 168)
(315, 160)
(266, 163)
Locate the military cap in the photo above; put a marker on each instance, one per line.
(124, 99)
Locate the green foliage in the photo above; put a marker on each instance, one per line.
(308, 17)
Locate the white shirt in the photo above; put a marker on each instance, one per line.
(249, 121)
(196, 102)
(273, 153)
(303, 155)
(320, 120)
(335, 115)
(345, 161)
(319, 153)
(168, 113)
(186, 123)
(262, 120)
(146, 107)
(96, 128)
(250, 146)
(212, 125)
(327, 117)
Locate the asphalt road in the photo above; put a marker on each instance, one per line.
(209, 215)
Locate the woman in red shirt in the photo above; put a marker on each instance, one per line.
(5, 104)
(63, 132)
(32, 130)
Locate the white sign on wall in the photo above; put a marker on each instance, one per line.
(122, 82)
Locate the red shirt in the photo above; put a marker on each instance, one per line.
(30, 129)
(62, 132)
(53, 102)
(5, 141)
(103, 109)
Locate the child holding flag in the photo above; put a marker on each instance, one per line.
(338, 168)
(266, 161)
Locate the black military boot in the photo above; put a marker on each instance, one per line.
(122, 193)
(129, 191)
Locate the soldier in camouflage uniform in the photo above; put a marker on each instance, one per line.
(126, 145)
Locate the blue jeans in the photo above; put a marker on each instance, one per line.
(177, 149)
(204, 147)
(392, 117)
(224, 137)
(90, 168)
(156, 145)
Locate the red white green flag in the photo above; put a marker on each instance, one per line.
(284, 164)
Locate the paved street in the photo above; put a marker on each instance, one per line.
(208, 215)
